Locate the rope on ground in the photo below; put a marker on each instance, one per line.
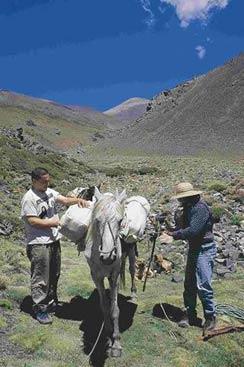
(171, 332)
(231, 311)
(93, 348)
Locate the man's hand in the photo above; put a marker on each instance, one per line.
(169, 233)
(65, 200)
(166, 238)
(83, 203)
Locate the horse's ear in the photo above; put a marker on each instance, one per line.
(97, 194)
(99, 186)
(122, 196)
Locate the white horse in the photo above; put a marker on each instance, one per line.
(103, 254)
(137, 209)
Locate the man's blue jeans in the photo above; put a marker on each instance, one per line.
(198, 276)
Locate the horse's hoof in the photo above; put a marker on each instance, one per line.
(115, 352)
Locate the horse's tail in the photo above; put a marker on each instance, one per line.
(122, 272)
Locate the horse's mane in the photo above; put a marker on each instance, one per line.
(106, 208)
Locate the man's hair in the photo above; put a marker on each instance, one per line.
(38, 172)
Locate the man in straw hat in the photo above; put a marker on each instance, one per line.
(196, 227)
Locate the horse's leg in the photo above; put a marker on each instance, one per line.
(132, 269)
(122, 268)
(116, 349)
(104, 303)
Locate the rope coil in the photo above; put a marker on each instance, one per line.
(231, 311)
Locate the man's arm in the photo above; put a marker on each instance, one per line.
(42, 223)
(71, 201)
(197, 223)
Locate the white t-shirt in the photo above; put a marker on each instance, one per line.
(42, 205)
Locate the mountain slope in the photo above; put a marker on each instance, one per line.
(53, 109)
(129, 110)
(205, 114)
(63, 128)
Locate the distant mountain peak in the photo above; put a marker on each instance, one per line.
(129, 110)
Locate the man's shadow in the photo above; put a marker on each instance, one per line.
(170, 312)
(88, 311)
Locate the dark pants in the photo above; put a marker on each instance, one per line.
(198, 276)
(45, 271)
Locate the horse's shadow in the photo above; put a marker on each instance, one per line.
(88, 311)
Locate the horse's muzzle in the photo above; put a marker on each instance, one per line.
(108, 260)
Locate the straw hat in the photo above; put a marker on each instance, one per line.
(185, 189)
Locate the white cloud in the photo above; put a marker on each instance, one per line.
(146, 4)
(188, 10)
(201, 51)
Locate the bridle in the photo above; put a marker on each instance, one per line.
(115, 239)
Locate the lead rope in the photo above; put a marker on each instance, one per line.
(93, 348)
(171, 333)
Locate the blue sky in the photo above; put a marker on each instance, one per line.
(99, 53)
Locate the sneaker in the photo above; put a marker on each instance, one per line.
(43, 318)
(209, 324)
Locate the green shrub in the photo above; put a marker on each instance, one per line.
(113, 171)
(17, 293)
(236, 219)
(5, 303)
(3, 323)
(217, 212)
(3, 282)
(218, 186)
(146, 170)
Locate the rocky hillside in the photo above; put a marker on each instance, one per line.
(69, 129)
(202, 115)
(128, 111)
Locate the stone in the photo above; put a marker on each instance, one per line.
(57, 131)
(221, 271)
(234, 254)
(30, 123)
(177, 278)
(6, 228)
(240, 263)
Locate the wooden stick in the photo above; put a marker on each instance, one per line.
(221, 331)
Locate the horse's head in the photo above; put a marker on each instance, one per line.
(83, 193)
(107, 216)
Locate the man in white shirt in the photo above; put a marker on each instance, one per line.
(38, 210)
